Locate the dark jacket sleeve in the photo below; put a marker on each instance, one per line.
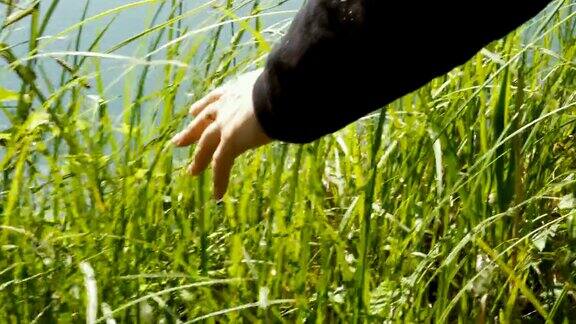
(342, 59)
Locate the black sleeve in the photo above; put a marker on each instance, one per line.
(342, 59)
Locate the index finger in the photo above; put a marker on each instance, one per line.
(199, 105)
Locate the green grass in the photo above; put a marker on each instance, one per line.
(456, 205)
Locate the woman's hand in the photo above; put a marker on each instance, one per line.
(224, 126)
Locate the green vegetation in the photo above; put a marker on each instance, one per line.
(456, 205)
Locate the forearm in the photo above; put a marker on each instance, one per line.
(343, 59)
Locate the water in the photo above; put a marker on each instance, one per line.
(128, 23)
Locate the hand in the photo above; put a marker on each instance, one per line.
(224, 126)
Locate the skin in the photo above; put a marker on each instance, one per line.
(224, 126)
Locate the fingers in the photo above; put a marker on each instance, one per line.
(225, 111)
(205, 149)
(222, 165)
(199, 105)
(196, 128)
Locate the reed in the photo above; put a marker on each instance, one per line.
(453, 203)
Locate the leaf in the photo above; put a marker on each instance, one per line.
(20, 14)
(540, 241)
(495, 57)
(141, 174)
(505, 189)
(37, 119)
(567, 202)
(437, 146)
(24, 72)
(8, 95)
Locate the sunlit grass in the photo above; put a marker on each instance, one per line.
(457, 204)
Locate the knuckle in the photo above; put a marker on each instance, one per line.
(203, 142)
(228, 143)
(212, 130)
(215, 165)
(217, 157)
(218, 92)
(226, 136)
(210, 115)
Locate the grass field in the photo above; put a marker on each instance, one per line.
(457, 205)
